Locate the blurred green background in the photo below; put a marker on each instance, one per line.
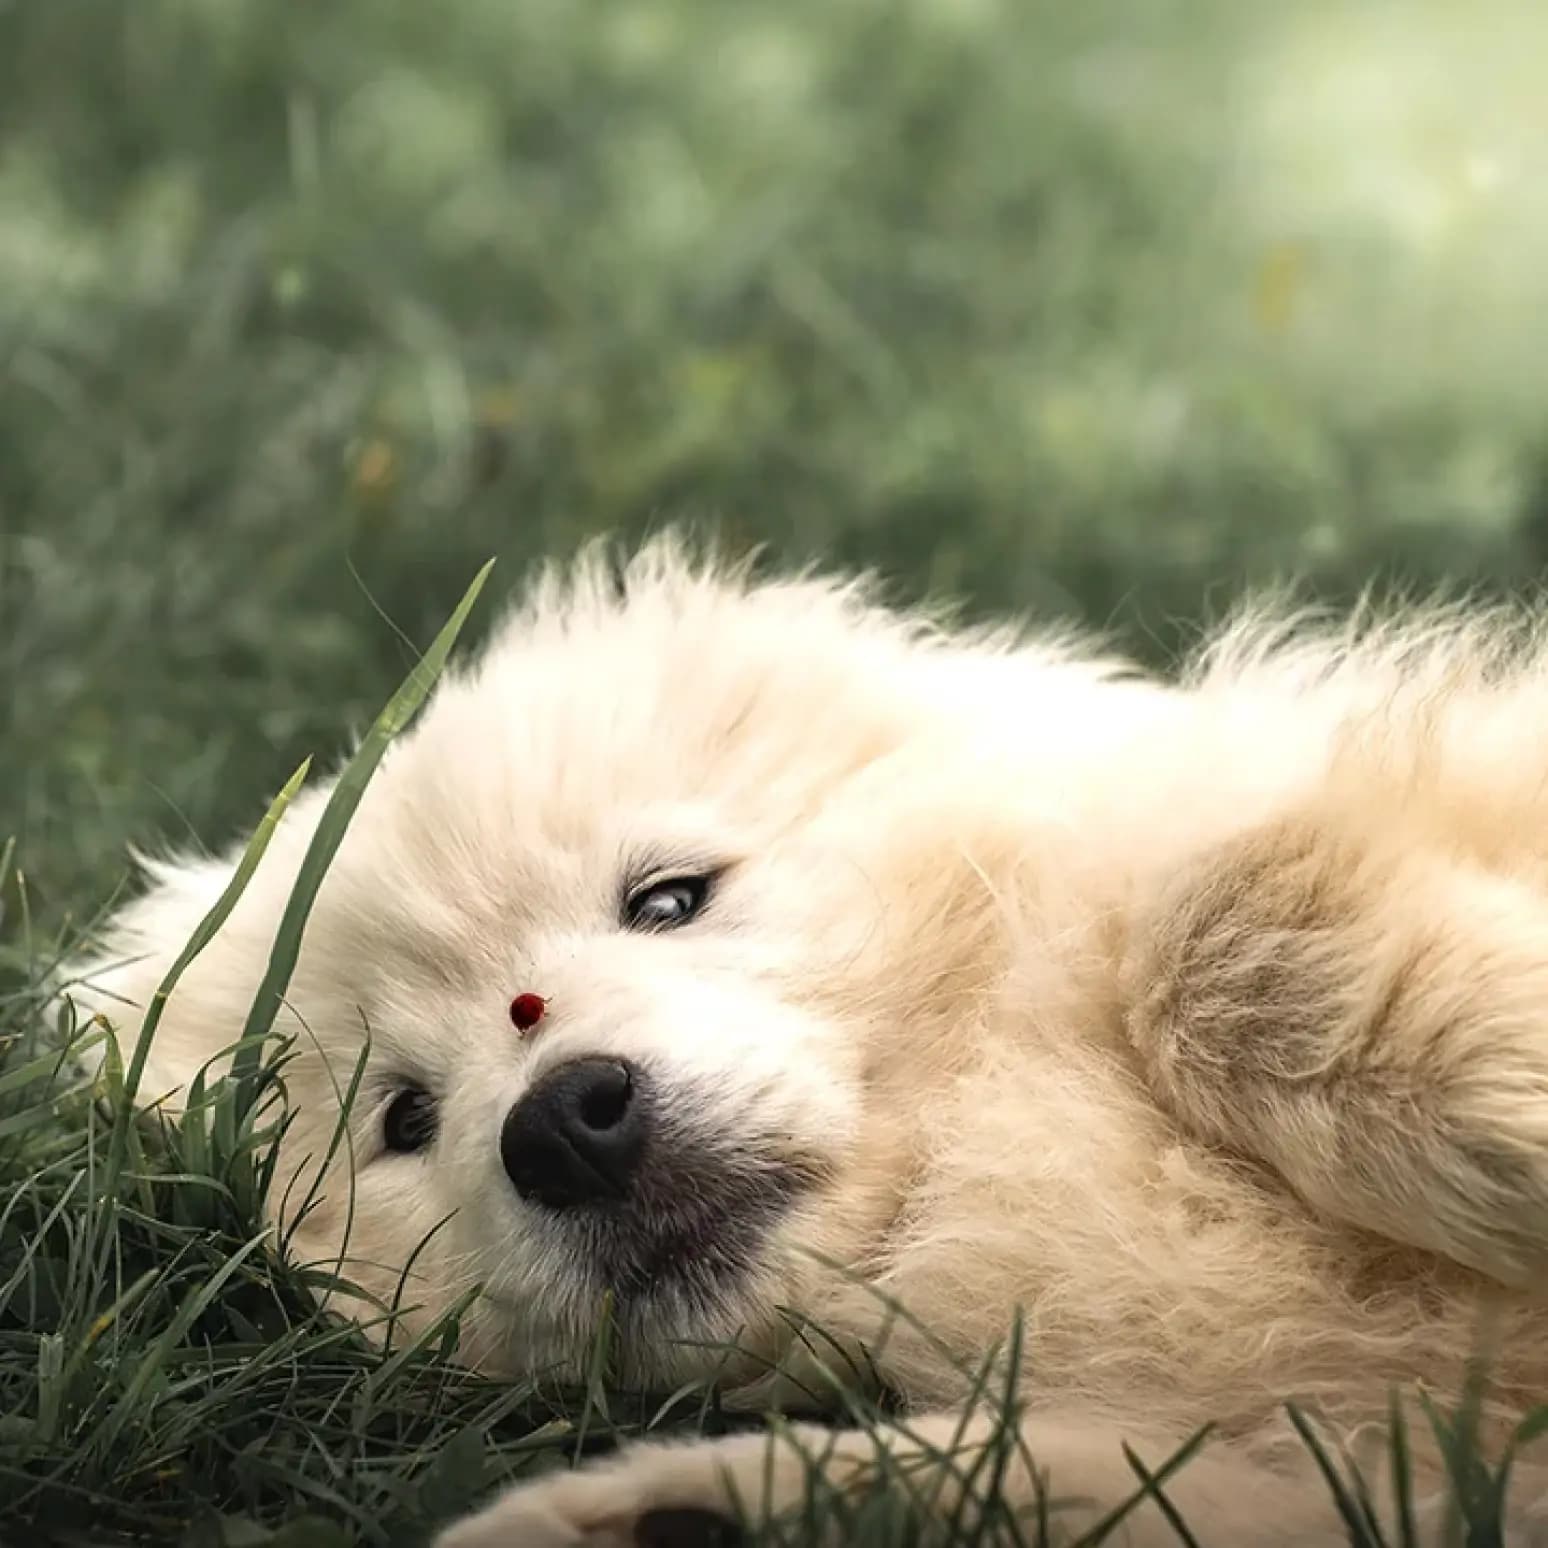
(1104, 309)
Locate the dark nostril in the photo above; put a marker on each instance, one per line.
(605, 1104)
(578, 1135)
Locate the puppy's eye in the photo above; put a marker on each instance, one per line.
(665, 905)
(410, 1122)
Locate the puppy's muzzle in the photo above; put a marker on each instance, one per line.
(579, 1135)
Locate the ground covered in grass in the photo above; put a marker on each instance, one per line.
(1101, 310)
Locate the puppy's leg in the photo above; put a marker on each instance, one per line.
(1367, 1012)
(1070, 1471)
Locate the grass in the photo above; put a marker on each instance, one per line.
(1101, 311)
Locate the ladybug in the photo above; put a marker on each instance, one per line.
(527, 1010)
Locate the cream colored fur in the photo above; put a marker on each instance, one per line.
(1206, 1022)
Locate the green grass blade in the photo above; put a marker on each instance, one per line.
(1163, 1504)
(1149, 1489)
(154, 1360)
(1402, 1475)
(202, 936)
(347, 792)
(1530, 1430)
(1362, 1531)
(46, 1067)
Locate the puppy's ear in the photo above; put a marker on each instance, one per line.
(133, 954)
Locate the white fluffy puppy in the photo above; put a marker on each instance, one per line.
(728, 947)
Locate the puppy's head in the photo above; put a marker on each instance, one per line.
(657, 926)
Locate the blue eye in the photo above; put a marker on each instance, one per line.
(410, 1123)
(665, 905)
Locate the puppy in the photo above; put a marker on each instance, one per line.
(738, 952)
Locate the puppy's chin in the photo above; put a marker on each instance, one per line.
(721, 1323)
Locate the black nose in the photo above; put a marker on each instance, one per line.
(577, 1136)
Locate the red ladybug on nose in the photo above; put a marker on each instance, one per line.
(527, 1010)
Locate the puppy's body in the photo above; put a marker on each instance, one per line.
(1205, 1023)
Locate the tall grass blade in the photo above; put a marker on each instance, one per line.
(347, 793)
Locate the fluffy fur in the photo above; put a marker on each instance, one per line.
(1205, 1021)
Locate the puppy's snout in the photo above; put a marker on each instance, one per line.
(578, 1135)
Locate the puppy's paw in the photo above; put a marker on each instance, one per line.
(672, 1495)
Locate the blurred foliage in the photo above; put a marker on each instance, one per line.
(1106, 309)
(1103, 309)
